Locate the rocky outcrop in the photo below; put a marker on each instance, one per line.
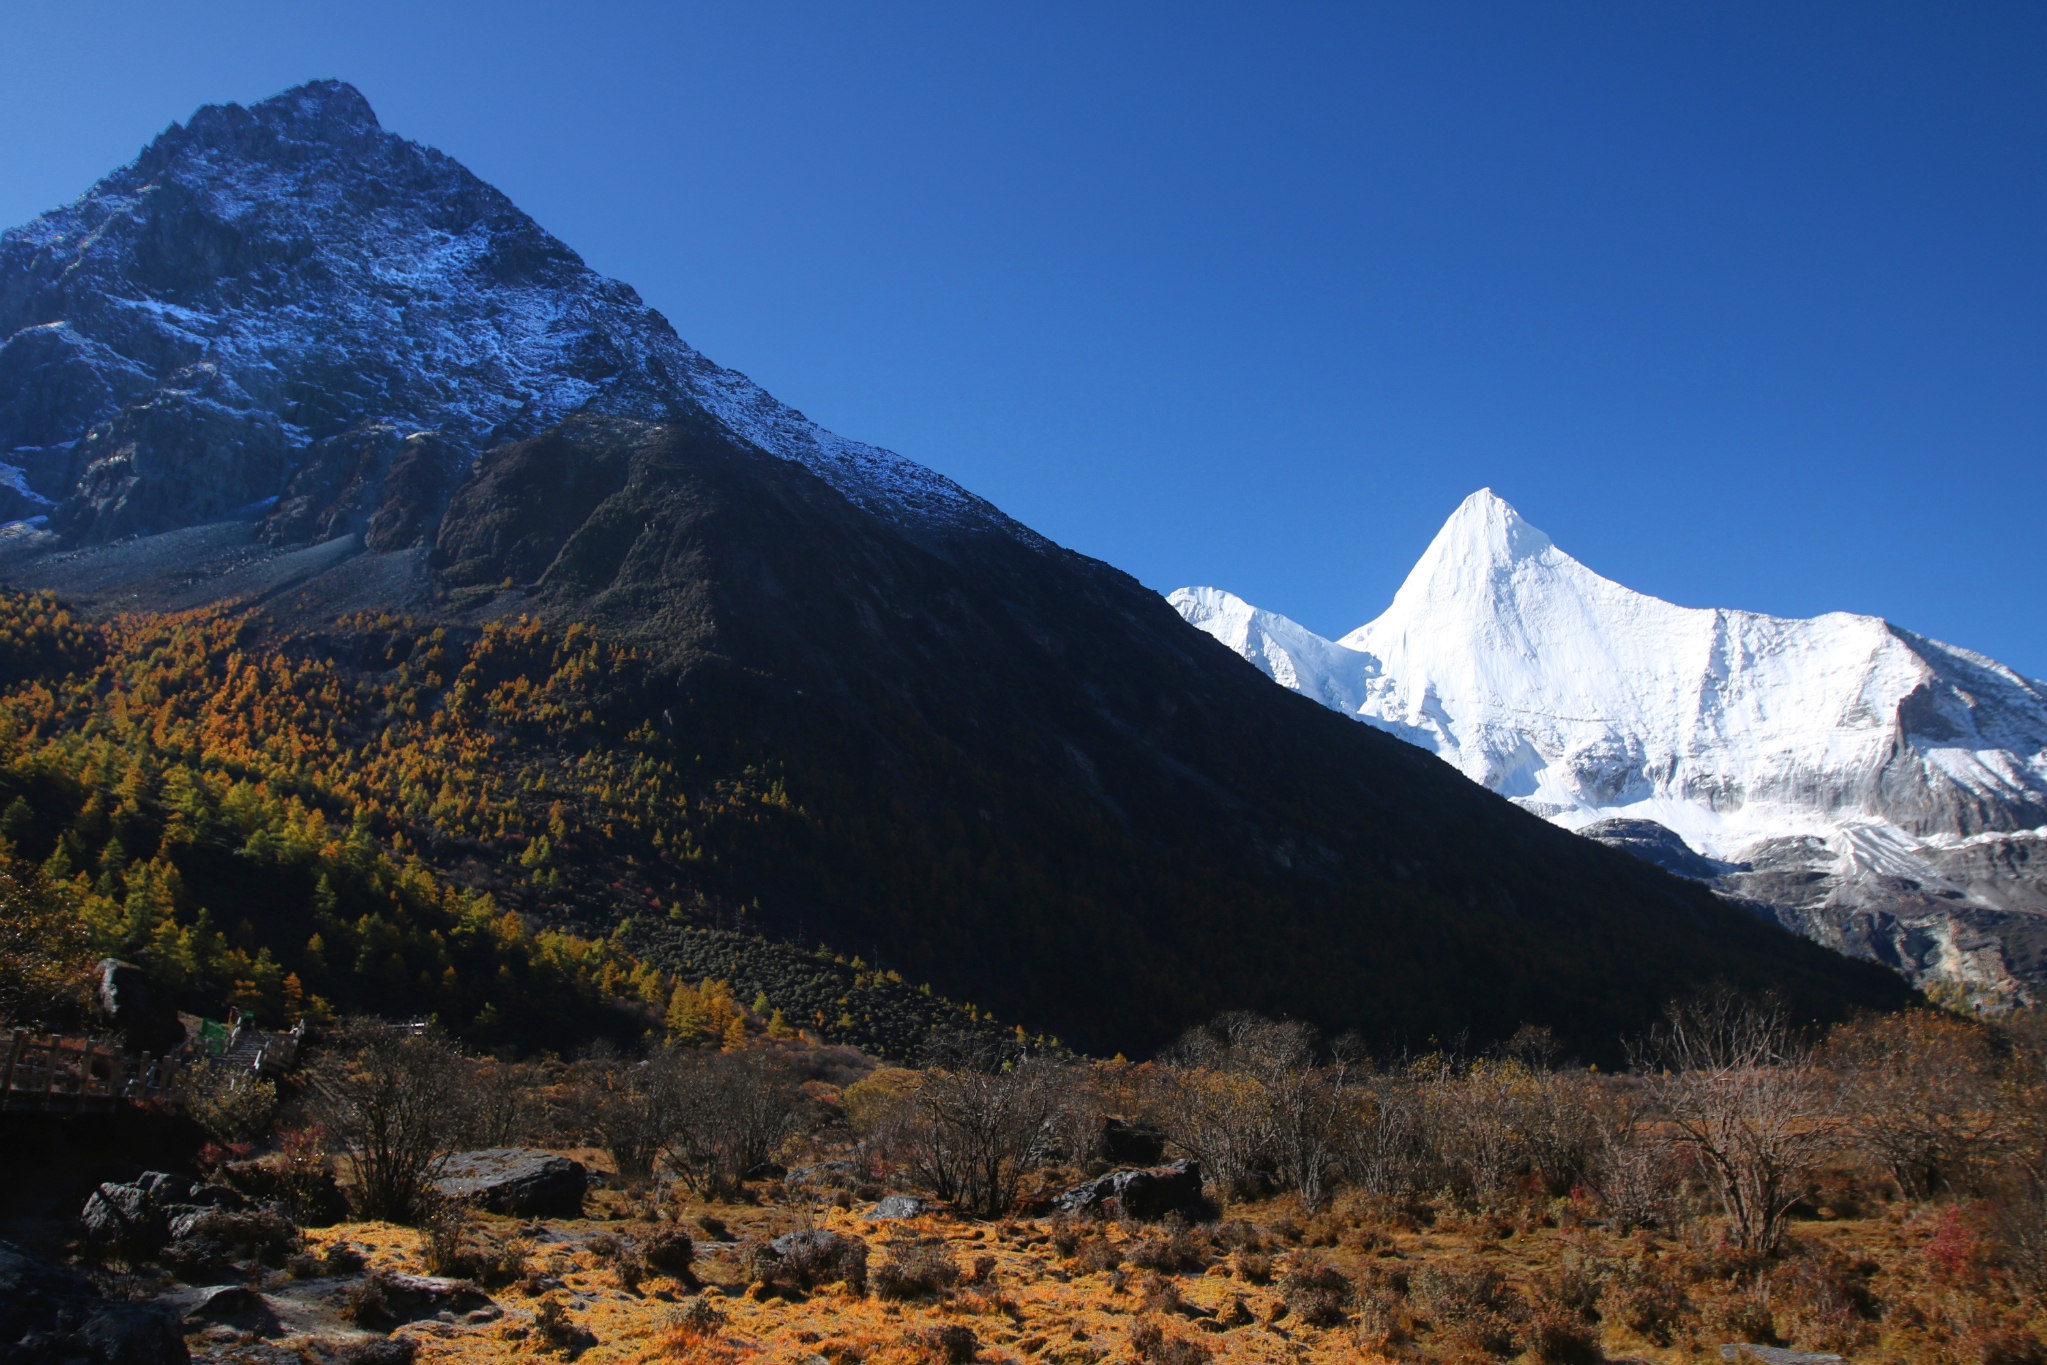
(195, 450)
(895, 1208)
(1966, 916)
(387, 486)
(51, 1316)
(516, 1181)
(1146, 1194)
(137, 1218)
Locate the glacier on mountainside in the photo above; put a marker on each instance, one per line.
(1876, 789)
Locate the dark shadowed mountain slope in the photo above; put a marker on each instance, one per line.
(292, 359)
(1029, 781)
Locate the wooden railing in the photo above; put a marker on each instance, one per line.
(78, 1075)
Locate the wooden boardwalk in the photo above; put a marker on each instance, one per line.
(56, 1074)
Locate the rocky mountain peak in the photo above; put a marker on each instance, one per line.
(342, 280)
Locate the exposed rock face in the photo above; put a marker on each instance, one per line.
(1653, 843)
(1970, 916)
(51, 1316)
(894, 1208)
(517, 1181)
(1147, 1194)
(372, 481)
(264, 280)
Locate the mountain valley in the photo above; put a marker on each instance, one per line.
(543, 607)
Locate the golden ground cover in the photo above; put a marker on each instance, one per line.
(1537, 1282)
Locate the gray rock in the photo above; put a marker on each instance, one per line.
(50, 1316)
(137, 1216)
(1147, 1193)
(1775, 1355)
(228, 1301)
(515, 1180)
(895, 1206)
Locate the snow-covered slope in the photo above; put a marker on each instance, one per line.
(260, 279)
(1879, 753)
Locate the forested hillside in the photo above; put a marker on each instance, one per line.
(276, 828)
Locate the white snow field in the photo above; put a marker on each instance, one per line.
(1876, 751)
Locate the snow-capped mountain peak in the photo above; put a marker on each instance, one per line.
(1585, 701)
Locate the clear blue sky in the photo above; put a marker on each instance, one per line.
(1745, 304)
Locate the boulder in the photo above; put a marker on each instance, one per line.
(1774, 1355)
(137, 1217)
(894, 1207)
(1128, 1144)
(50, 1316)
(1146, 1193)
(515, 1180)
(148, 1023)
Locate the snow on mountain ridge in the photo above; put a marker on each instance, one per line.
(1869, 747)
(342, 274)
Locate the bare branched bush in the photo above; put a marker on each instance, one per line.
(721, 1114)
(1921, 1091)
(1744, 1092)
(501, 1108)
(971, 1130)
(390, 1097)
(1260, 1104)
(622, 1103)
(1631, 1172)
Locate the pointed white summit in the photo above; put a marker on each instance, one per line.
(1884, 793)
(1584, 700)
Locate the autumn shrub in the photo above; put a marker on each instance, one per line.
(1314, 1291)
(1254, 1266)
(1153, 1345)
(1237, 1232)
(954, 1344)
(1171, 1249)
(669, 1252)
(1645, 1296)
(917, 1270)
(1821, 1299)
(232, 1105)
(810, 1259)
(553, 1330)
(1472, 1309)
(1563, 1314)
(1095, 1255)
(622, 1257)
(367, 1302)
(1741, 1314)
